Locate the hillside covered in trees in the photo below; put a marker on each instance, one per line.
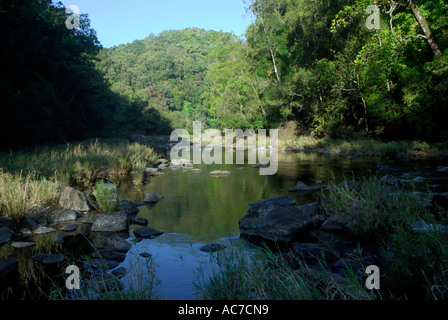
(314, 62)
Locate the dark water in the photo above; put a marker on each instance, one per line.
(198, 208)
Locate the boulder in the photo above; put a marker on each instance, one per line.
(282, 223)
(337, 223)
(66, 215)
(110, 222)
(5, 234)
(128, 207)
(116, 243)
(69, 198)
(146, 233)
(152, 197)
(138, 220)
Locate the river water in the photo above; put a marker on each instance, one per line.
(199, 209)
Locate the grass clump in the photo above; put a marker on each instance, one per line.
(81, 164)
(242, 273)
(19, 191)
(105, 196)
(386, 216)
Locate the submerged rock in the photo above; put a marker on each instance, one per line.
(152, 197)
(8, 272)
(213, 247)
(300, 186)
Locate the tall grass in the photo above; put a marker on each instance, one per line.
(83, 163)
(240, 273)
(105, 196)
(19, 192)
(366, 145)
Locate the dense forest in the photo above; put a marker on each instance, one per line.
(316, 62)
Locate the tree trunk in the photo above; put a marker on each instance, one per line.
(424, 25)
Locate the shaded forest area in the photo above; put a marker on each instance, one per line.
(313, 62)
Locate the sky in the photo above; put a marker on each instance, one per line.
(123, 21)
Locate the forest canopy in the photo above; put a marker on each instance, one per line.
(315, 62)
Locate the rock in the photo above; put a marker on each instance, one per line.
(145, 255)
(277, 201)
(220, 172)
(109, 254)
(286, 150)
(58, 238)
(300, 186)
(44, 230)
(146, 233)
(66, 215)
(283, 223)
(110, 222)
(119, 272)
(8, 272)
(140, 139)
(386, 168)
(128, 207)
(5, 234)
(138, 220)
(151, 171)
(48, 259)
(99, 263)
(21, 244)
(337, 223)
(152, 197)
(69, 198)
(442, 169)
(116, 243)
(260, 165)
(181, 162)
(390, 179)
(213, 247)
(69, 228)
